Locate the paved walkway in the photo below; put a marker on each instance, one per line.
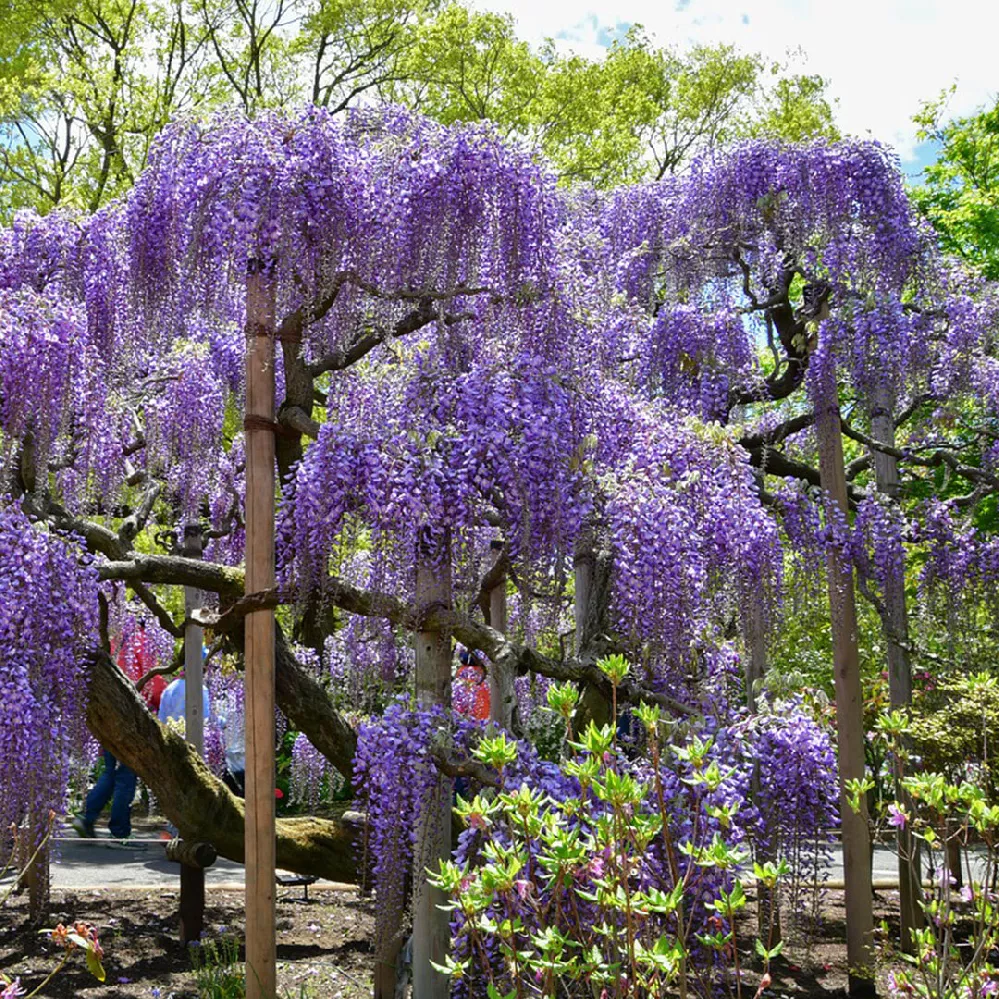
(93, 864)
(104, 863)
(89, 864)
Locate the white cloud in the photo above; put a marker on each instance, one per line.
(882, 57)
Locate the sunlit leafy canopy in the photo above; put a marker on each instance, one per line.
(959, 192)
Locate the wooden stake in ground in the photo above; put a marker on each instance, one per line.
(192, 879)
(261, 974)
(849, 699)
(431, 932)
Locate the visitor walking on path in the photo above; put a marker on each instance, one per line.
(117, 782)
(117, 785)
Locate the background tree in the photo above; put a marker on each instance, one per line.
(959, 192)
(101, 77)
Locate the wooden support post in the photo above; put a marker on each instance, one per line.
(849, 698)
(261, 972)
(896, 628)
(192, 880)
(431, 932)
(502, 693)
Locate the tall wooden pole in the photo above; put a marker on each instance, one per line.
(192, 879)
(431, 930)
(849, 699)
(261, 974)
(896, 627)
(502, 693)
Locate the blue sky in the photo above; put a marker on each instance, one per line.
(882, 57)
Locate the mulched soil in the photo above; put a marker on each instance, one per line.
(324, 946)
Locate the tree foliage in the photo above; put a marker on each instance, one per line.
(960, 190)
(92, 82)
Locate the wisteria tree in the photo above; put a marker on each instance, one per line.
(603, 388)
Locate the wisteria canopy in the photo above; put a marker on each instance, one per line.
(469, 354)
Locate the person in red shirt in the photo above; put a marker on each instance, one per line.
(471, 690)
(117, 782)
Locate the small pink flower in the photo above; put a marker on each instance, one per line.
(967, 894)
(896, 817)
(13, 990)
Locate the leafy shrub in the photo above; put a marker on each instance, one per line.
(951, 730)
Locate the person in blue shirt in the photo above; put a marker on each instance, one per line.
(172, 702)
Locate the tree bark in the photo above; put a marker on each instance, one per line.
(895, 624)
(199, 804)
(849, 698)
(591, 569)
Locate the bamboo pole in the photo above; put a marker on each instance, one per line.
(431, 930)
(261, 973)
(849, 699)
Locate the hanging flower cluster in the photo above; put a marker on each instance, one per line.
(47, 624)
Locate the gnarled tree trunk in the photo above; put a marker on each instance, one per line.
(849, 699)
(197, 802)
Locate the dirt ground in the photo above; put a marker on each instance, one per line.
(324, 946)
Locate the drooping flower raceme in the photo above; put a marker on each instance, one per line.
(47, 621)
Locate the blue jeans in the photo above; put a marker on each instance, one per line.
(117, 785)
